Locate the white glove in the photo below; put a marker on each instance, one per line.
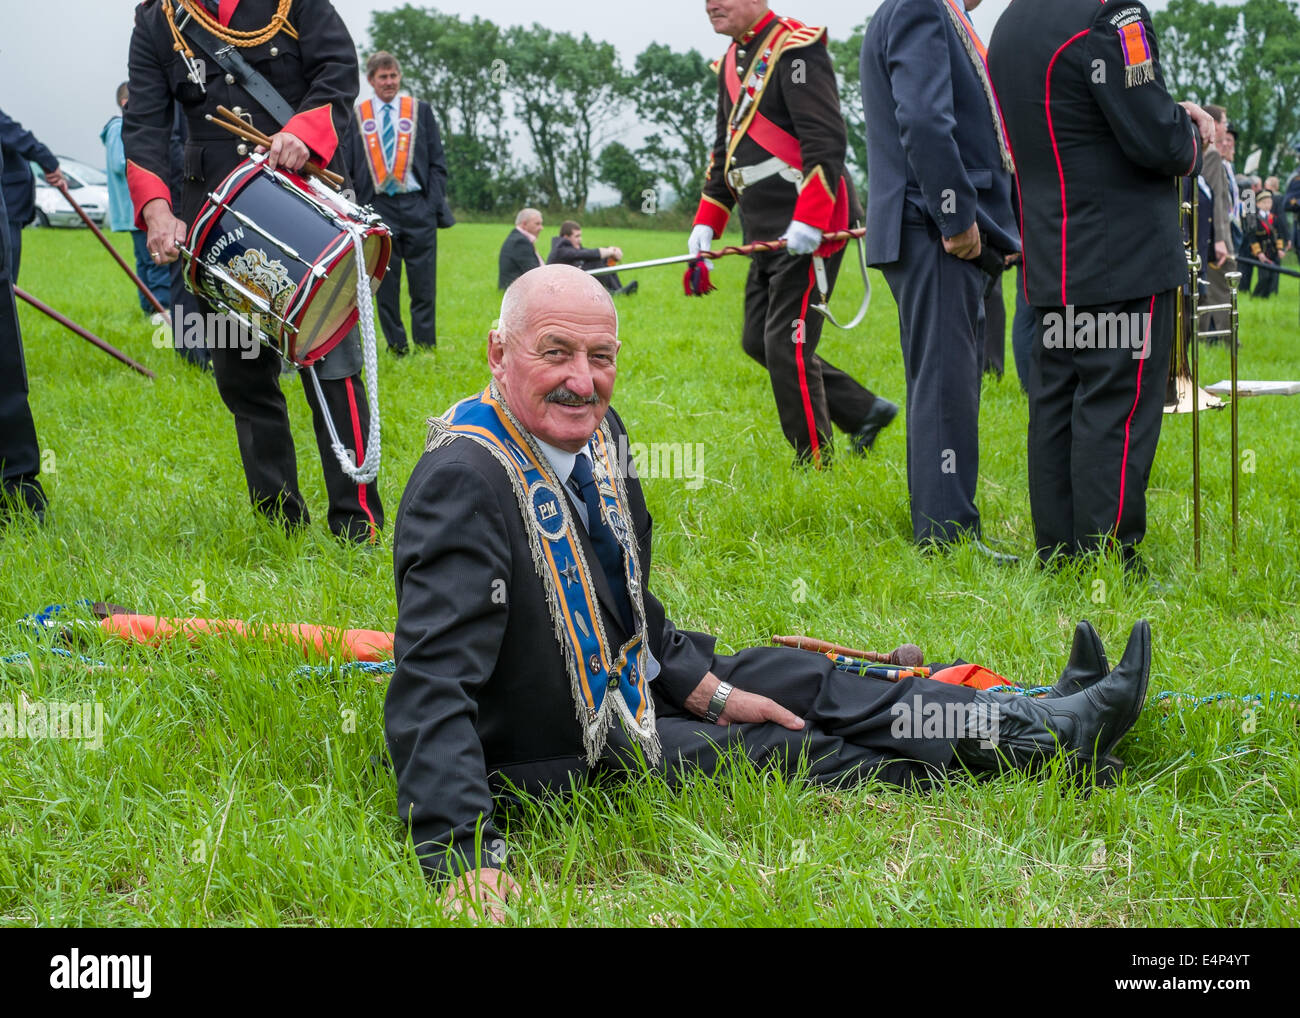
(802, 239)
(701, 240)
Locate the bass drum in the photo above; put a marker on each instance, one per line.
(277, 251)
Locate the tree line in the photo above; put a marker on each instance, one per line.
(570, 98)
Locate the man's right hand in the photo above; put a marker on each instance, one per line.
(485, 890)
(701, 240)
(966, 244)
(742, 707)
(165, 232)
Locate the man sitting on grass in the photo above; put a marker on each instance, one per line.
(530, 650)
(567, 249)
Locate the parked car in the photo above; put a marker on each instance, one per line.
(86, 184)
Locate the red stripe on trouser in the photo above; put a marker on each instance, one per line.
(803, 371)
(361, 454)
(1123, 466)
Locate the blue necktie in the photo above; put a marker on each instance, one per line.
(608, 550)
(388, 138)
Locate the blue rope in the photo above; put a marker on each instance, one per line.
(364, 667)
(24, 658)
(42, 622)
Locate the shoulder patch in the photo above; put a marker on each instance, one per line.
(716, 65)
(1125, 15)
(803, 35)
(1135, 49)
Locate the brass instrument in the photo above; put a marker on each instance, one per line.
(1185, 364)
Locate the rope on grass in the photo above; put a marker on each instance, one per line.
(363, 667)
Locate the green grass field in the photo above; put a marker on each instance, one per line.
(229, 792)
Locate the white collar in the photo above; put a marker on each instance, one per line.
(380, 104)
(561, 462)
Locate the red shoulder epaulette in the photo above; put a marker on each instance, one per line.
(801, 34)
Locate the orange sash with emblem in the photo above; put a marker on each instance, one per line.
(380, 172)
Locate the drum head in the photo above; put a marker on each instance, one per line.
(331, 309)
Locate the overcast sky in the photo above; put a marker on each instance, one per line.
(60, 65)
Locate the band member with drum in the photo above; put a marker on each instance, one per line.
(394, 153)
(295, 53)
(779, 155)
(1098, 142)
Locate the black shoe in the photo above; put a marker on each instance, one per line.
(629, 289)
(998, 558)
(22, 494)
(399, 351)
(882, 413)
(1087, 663)
(1084, 727)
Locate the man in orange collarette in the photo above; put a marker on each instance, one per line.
(395, 156)
(779, 156)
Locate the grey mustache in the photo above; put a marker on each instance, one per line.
(566, 395)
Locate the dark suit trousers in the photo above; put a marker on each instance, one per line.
(847, 736)
(811, 393)
(995, 331)
(20, 454)
(249, 386)
(415, 243)
(15, 250)
(941, 327)
(1094, 421)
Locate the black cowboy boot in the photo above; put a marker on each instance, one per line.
(1087, 663)
(1024, 732)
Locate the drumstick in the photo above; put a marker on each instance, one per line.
(244, 130)
(908, 654)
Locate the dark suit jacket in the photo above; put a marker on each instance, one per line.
(564, 253)
(1216, 178)
(20, 146)
(1095, 162)
(930, 135)
(428, 163)
(518, 255)
(480, 692)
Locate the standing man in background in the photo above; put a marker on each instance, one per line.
(121, 214)
(394, 153)
(779, 154)
(939, 194)
(1098, 143)
(19, 147)
(1222, 195)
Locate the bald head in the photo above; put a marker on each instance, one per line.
(537, 294)
(553, 353)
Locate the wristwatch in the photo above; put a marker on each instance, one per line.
(719, 702)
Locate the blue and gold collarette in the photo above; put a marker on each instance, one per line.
(595, 667)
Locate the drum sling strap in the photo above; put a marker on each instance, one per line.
(228, 57)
